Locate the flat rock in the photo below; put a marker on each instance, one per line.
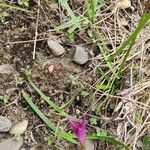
(5, 124)
(80, 55)
(19, 128)
(124, 4)
(89, 145)
(6, 68)
(11, 144)
(55, 48)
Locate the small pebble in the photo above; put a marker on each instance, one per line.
(80, 55)
(124, 4)
(5, 124)
(78, 112)
(19, 128)
(55, 48)
(11, 144)
(51, 68)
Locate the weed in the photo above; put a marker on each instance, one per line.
(74, 20)
(50, 140)
(84, 93)
(103, 86)
(113, 78)
(17, 137)
(93, 121)
(14, 7)
(91, 7)
(45, 98)
(73, 80)
(3, 15)
(23, 3)
(138, 118)
(27, 71)
(110, 139)
(5, 99)
(20, 80)
(144, 143)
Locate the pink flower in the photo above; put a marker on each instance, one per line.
(79, 128)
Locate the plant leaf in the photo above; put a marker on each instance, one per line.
(110, 139)
(70, 12)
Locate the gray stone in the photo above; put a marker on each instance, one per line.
(11, 144)
(55, 48)
(5, 124)
(6, 68)
(80, 55)
(89, 145)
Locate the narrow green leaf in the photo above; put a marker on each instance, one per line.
(144, 20)
(39, 112)
(47, 99)
(103, 86)
(110, 139)
(70, 12)
(68, 136)
(14, 7)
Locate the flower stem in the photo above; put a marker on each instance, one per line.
(83, 147)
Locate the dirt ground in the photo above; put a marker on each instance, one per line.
(17, 43)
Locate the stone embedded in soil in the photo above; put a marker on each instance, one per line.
(5, 124)
(19, 128)
(55, 48)
(11, 144)
(89, 145)
(80, 55)
(51, 68)
(6, 68)
(124, 4)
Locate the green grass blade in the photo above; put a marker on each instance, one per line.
(38, 112)
(93, 7)
(109, 139)
(70, 12)
(104, 52)
(124, 59)
(68, 136)
(44, 97)
(144, 20)
(14, 7)
(69, 24)
(103, 86)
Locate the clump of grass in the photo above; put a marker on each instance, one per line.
(111, 79)
(4, 5)
(91, 7)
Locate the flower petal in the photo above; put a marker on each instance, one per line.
(79, 128)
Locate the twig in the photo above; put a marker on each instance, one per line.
(27, 41)
(36, 33)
